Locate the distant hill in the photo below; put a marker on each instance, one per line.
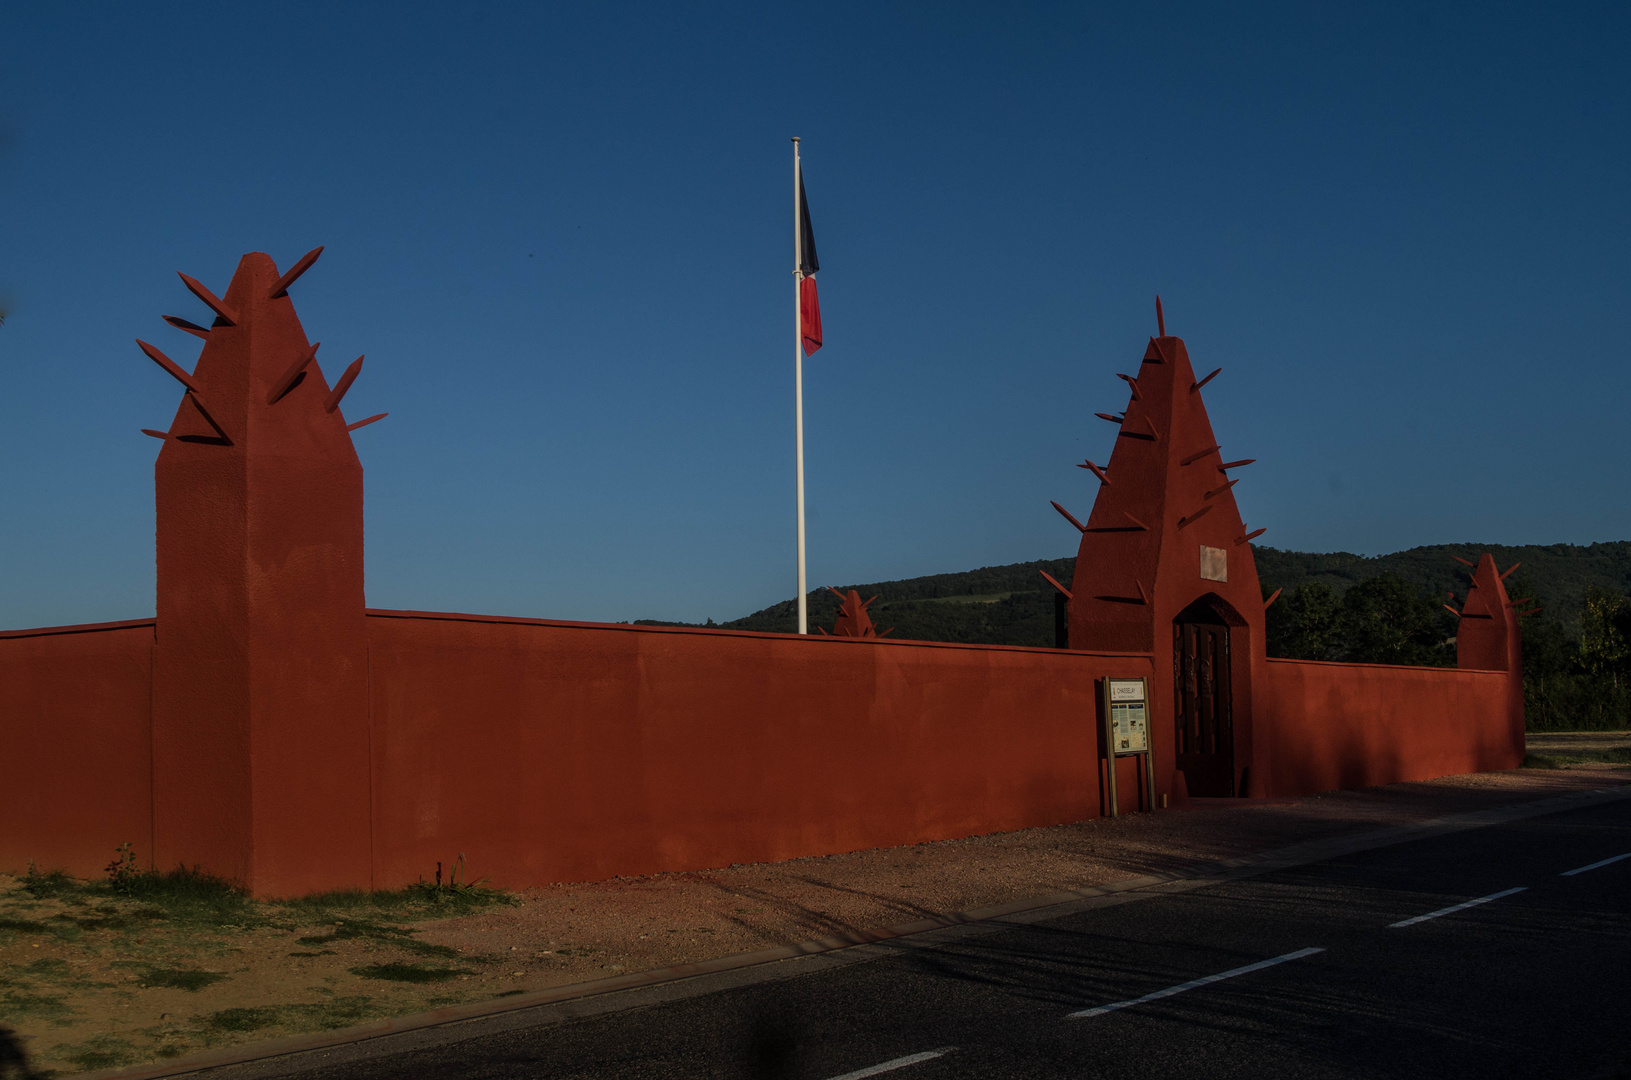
(1012, 605)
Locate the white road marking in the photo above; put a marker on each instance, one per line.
(1453, 908)
(1595, 865)
(896, 1063)
(1193, 984)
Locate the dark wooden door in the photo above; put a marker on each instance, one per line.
(1206, 738)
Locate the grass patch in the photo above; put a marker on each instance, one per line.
(177, 978)
(409, 973)
(367, 930)
(23, 1003)
(322, 1015)
(101, 1052)
(23, 926)
(1540, 761)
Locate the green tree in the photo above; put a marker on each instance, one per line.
(1302, 625)
(1385, 620)
(1605, 645)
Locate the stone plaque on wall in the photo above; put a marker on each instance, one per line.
(1214, 564)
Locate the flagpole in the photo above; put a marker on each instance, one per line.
(798, 382)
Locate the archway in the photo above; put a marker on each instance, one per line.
(1203, 647)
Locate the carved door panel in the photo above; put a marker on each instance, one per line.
(1205, 735)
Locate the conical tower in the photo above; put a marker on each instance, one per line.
(1165, 567)
(260, 708)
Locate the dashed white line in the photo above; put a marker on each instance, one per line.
(1453, 908)
(1193, 984)
(895, 1063)
(1595, 865)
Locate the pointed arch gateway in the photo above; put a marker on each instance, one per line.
(1203, 653)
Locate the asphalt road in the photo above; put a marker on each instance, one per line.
(1528, 983)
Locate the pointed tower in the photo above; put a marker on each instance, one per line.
(1488, 639)
(1165, 567)
(260, 705)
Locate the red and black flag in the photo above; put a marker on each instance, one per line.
(809, 302)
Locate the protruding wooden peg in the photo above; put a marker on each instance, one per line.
(1069, 517)
(156, 434)
(1197, 515)
(1451, 610)
(283, 385)
(1249, 537)
(216, 304)
(1056, 584)
(365, 423)
(1525, 600)
(294, 272)
(191, 327)
(1509, 571)
(1160, 319)
(342, 386)
(1132, 433)
(1095, 470)
(1192, 458)
(1142, 595)
(1135, 521)
(1133, 384)
(168, 365)
(1112, 417)
(1160, 353)
(1193, 387)
(1242, 463)
(1273, 596)
(1462, 561)
(1220, 490)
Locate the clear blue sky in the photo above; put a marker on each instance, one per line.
(561, 234)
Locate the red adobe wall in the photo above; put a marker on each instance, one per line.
(552, 751)
(1323, 726)
(76, 724)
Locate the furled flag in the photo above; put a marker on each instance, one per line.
(809, 303)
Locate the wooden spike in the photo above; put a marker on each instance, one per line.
(1095, 470)
(1509, 571)
(1112, 418)
(1194, 387)
(222, 438)
(365, 423)
(216, 304)
(1068, 517)
(1142, 595)
(1531, 611)
(1462, 561)
(156, 434)
(886, 633)
(1221, 490)
(822, 630)
(1273, 596)
(283, 385)
(1197, 515)
(835, 592)
(868, 603)
(1451, 610)
(1192, 458)
(1249, 537)
(191, 327)
(168, 365)
(350, 376)
(1160, 320)
(1160, 353)
(1135, 521)
(1235, 464)
(1133, 384)
(1054, 582)
(283, 283)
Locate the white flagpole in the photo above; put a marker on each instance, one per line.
(798, 379)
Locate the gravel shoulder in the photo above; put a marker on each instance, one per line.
(91, 981)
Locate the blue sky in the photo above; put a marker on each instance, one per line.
(562, 237)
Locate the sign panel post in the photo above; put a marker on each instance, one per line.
(1127, 734)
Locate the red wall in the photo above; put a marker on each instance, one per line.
(551, 751)
(1322, 726)
(76, 724)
